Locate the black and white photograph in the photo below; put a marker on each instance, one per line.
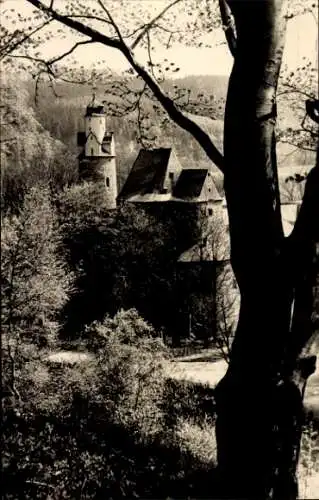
(159, 249)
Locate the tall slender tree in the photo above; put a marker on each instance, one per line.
(35, 282)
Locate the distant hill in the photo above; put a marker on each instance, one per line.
(214, 85)
(63, 117)
(29, 152)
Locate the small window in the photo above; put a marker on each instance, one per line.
(171, 175)
(210, 211)
(92, 152)
(108, 182)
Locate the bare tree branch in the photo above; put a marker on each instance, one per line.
(11, 48)
(301, 146)
(48, 64)
(149, 51)
(168, 104)
(291, 88)
(90, 17)
(77, 25)
(175, 114)
(112, 21)
(68, 52)
(149, 25)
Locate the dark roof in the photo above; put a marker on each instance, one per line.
(190, 183)
(148, 172)
(90, 110)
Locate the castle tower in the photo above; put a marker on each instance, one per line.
(97, 161)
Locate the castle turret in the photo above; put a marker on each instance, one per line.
(97, 161)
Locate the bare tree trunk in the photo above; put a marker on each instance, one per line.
(259, 402)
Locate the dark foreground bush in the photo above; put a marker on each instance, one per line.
(45, 458)
(189, 400)
(111, 426)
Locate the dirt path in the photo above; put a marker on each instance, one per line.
(196, 368)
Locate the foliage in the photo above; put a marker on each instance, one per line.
(96, 428)
(294, 88)
(194, 402)
(293, 187)
(199, 440)
(63, 118)
(54, 460)
(29, 155)
(117, 257)
(250, 163)
(194, 23)
(35, 282)
(129, 259)
(308, 470)
(130, 357)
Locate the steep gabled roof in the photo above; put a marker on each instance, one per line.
(191, 186)
(190, 183)
(148, 172)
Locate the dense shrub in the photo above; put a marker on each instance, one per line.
(47, 460)
(192, 401)
(96, 429)
(35, 283)
(130, 359)
(197, 440)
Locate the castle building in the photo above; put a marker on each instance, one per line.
(157, 176)
(188, 199)
(202, 295)
(97, 160)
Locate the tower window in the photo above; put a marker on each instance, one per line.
(210, 211)
(92, 151)
(171, 175)
(108, 182)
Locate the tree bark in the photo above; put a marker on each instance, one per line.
(259, 401)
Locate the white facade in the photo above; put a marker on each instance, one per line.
(94, 132)
(98, 161)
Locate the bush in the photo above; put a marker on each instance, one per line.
(197, 440)
(122, 374)
(308, 468)
(192, 401)
(130, 359)
(96, 428)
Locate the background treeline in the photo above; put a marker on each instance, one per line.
(39, 130)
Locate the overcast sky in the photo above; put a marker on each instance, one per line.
(301, 41)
